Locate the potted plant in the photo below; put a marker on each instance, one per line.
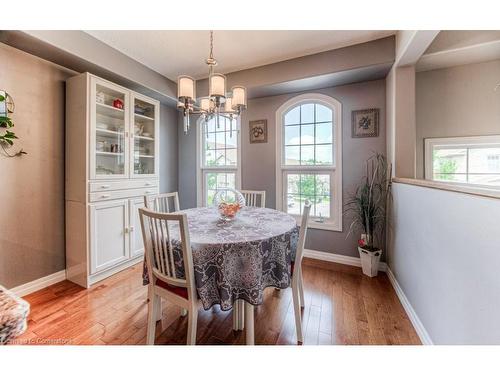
(367, 209)
(7, 136)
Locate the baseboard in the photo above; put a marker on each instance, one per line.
(412, 315)
(336, 258)
(38, 284)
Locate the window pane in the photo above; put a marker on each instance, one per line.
(293, 116)
(450, 177)
(293, 183)
(323, 113)
(450, 161)
(293, 204)
(324, 133)
(313, 187)
(324, 154)
(292, 135)
(209, 158)
(322, 206)
(211, 179)
(210, 141)
(292, 155)
(485, 179)
(231, 156)
(211, 126)
(484, 160)
(307, 134)
(307, 155)
(323, 184)
(220, 157)
(307, 113)
(231, 180)
(220, 140)
(307, 185)
(232, 140)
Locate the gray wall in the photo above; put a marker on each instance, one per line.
(445, 256)
(259, 161)
(457, 101)
(32, 223)
(32, 186)
(168, 149)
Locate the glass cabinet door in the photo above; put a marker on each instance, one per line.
(110, 123)
(144, 137)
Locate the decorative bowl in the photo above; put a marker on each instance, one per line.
(228, 202)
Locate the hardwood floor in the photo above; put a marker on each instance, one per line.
(342, 307)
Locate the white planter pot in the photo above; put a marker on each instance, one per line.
(369, 261)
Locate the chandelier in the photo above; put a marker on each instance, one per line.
(217, 103)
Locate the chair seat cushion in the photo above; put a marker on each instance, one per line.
(180, 291)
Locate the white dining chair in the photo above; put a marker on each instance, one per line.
(166, 203)
(254, 198)
(164, 279)
(297, 282)
(162, 202)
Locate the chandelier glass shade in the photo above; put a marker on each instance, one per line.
(219, 101)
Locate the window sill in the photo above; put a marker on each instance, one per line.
(459, 188)
(332, 227)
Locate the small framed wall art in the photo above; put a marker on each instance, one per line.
(258, 131)
(365, 123)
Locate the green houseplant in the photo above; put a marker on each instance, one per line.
(367, 207)
(7, 136)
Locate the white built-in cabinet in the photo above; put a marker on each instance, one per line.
(112, 148)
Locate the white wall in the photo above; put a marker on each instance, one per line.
(445, 255)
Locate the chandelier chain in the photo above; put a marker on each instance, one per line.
(211, 44)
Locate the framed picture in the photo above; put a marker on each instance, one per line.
(365, 123)
(258, 131)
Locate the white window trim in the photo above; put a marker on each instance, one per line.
(334, 224)
(430, 143)
(201, 171)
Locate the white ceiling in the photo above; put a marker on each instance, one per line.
(172, 53)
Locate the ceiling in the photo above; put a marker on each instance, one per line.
(460, 47)
(172, 53)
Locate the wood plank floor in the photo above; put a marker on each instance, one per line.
(342, 307)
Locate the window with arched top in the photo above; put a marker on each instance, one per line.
(309, 159)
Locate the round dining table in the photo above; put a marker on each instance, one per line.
(235, 261)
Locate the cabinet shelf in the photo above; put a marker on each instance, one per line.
(109, 132)
(145, 156)
(144, 117)
(110, 111)
(144, 138)
(106, 153)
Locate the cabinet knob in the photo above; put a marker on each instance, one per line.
(105, 196)
(126, 230)
(105, 186)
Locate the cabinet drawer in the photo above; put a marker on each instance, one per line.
(121, 194)
(121, 185)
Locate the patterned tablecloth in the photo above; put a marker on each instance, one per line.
(238, 259)
(13, 315)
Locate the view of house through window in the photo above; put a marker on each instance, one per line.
(219, 156)
(471, 160)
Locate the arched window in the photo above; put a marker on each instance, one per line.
(309, 159)
(218, 157)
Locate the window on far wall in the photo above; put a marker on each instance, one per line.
(464, 160)
(309, 159)
(219, 157)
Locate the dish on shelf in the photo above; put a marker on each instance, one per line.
(141, 110)
(144, 134)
